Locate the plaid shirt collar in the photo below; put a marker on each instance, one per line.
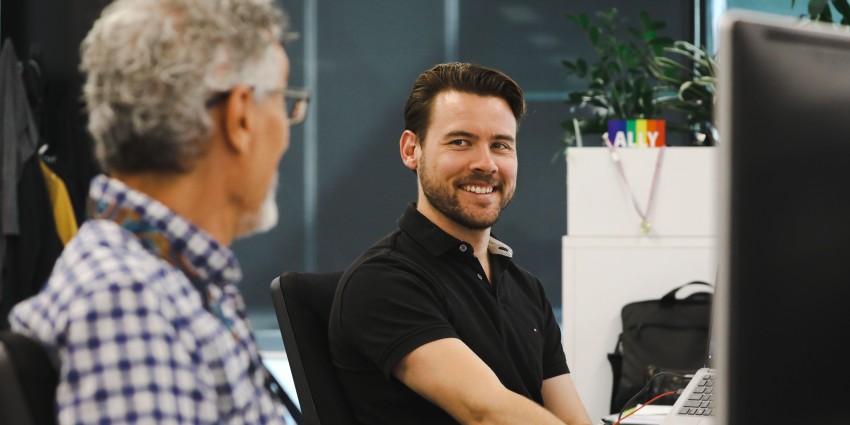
(163, 232)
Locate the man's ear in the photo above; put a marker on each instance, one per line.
(238, 118)
(409, 149)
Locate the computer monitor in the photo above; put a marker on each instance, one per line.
(783, 304)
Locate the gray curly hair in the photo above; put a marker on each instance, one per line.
(151, 64)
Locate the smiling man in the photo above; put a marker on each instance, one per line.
(435, 324)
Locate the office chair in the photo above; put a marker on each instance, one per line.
(302, 302)
(28, 380)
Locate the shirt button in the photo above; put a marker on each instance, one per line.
(479, 277)
(462, 248)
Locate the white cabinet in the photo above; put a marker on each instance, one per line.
(607, 262)
(599, 204)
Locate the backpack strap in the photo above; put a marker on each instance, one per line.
(670, 297)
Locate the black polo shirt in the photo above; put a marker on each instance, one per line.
(419, 284)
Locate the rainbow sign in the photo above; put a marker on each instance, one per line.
(636, 133)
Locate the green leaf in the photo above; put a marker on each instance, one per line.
(593, 34)
(843, 7)
(582, 67)
(819, 10)
(596, 84)
(582, 20)
(658, 25)
(608, 15)
(645, 20)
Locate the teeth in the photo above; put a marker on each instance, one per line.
(478, 189)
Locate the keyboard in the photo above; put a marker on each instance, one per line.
(700, 402)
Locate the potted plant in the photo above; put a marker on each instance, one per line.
(690, 75)
(820, 11)
(620, 83)
(641, 77)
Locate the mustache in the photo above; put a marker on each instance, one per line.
(480, 177)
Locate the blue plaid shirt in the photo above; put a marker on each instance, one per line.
(134, 339)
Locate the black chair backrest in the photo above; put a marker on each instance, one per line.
(28, 380)
(302, 303)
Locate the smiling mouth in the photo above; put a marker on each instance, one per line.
(481, 190)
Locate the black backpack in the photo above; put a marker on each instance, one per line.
(663, 335)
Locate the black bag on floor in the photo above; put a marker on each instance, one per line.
(663, 335)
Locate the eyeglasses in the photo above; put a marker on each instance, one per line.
(295, 102)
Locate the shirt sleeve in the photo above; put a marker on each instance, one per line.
(387, 311)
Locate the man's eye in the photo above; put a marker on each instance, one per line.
(459, 142)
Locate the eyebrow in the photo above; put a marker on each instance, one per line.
(468, 135)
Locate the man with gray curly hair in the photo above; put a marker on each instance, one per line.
(190, 110)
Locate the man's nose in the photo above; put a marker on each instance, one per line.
(484, 161)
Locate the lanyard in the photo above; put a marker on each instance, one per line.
(645, 225)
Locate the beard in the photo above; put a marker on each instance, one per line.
(264, 218)
(443, 197)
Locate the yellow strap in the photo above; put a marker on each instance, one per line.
(63, 212)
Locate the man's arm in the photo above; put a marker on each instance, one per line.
(449, 374)
(561, 398)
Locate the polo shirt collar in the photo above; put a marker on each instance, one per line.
(436, 241)
(495, 246)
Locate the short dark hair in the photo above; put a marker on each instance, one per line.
(461, 77)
